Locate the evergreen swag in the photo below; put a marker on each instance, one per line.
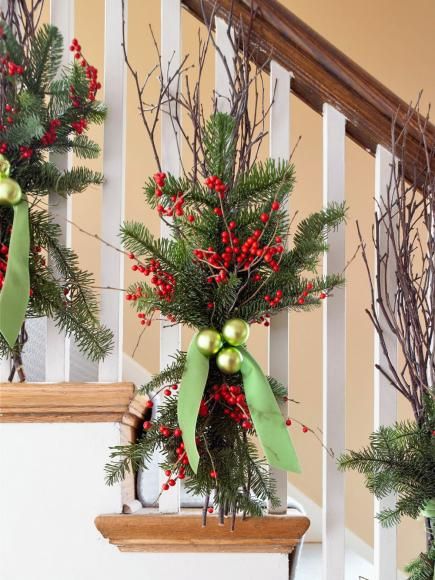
(228, 258)
(47, 109)
(400, 459)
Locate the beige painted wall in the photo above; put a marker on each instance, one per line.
(392, 40)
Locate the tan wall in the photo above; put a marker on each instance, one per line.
(396, 44)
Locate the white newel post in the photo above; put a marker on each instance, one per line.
(170, 337)
(334, 354)
(279, 148)
(57, 358)
(385, 396)
(112, 213)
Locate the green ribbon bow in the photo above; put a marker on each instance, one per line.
(14, 295)
(266, 415)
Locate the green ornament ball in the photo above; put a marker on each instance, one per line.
(209, 341)
(229, 360)
(236, 331)
(10, 192)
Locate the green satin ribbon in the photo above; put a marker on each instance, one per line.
(14, 296)
(266, 415)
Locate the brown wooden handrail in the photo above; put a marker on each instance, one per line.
(323, 74)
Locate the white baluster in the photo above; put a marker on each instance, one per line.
(170, 338)
(110, 369)
(279, 148)
(385, 396)
(334, 354)
(224, 66)
(57, 358)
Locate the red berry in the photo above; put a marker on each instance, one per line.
(323, 296)
(264, 217)
(172, 482)
(213, 474)
(168, 472)
(165, 487)
(149, 405)
(301, 301)
(210, 510)
(147, 425)
(191, 218)
(305, 429)
(275, 205)
(178, 432)
(167, 392)
(288, 422)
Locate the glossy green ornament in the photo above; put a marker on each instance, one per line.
(229, 360)
(209, 341)
(235, 331)
(10, 192)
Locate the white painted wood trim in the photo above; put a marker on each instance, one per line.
(224, 66)
(57, 358)
(385, 396)
(113, 199)
(334, 354)
(170, 338)
(279, 346)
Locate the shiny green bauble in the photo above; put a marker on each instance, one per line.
(235, 331)
(229, 360)
(209, 341)
(10, 192)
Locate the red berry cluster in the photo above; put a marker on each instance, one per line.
(11, 111)
(50, 135)
(234, 403)
(177, 200)
(9, 68)
(79, 126)
(215, 184)
(159, 179)
(273, 302)
(4, 249)
(308, 289)
(91, 72)
(26, 152)
(3, 148)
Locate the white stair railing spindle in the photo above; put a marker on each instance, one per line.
(224, 66)
(385, 397)
(170, 337)
(57, 358)
(112, 214)
(334, 354)
(279, 148)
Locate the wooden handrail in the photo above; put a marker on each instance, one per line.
(323, 74)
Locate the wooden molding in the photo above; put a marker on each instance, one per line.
(71, 403)
(323, 74)
(150, 531)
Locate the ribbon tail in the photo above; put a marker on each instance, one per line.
(14, 296)
(190, 394)
(266, 416)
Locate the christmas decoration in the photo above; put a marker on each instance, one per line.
(400, 459)
(227, 266)
(44, 109)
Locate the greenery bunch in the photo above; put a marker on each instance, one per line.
(229, 257)
(45, 109)
(400, 459)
